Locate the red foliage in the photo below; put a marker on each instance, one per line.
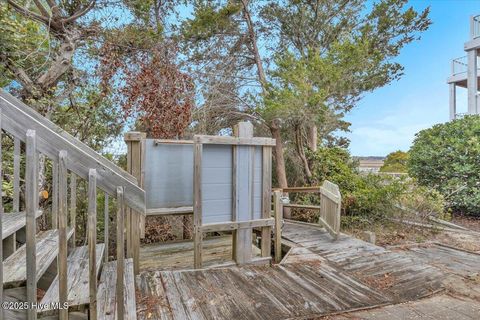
(149, 86)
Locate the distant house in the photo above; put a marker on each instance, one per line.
(370, 164)
(466, 72)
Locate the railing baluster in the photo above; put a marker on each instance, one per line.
(120, 253)
(106, 221)
(16, 174)
(62, 234)
(55, 194)
(73, 206)
(92, 241)
(31, 199)
(1, 221)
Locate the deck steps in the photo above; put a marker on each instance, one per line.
(12, 222)
(77, 274)
(106, 295)
(14, 267)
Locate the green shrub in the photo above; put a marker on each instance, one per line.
(446, 157)
(368, 198)
(395, 162)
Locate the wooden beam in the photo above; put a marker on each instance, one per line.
(171, 141)
(1, 222)
(228, 226)
(55, 194)
(73, 207)
(120, 254)
(92, 243)
(106, 223)
(31, 199)
(254, 141)
(300, 189)
(197, 206)
(62, 233)
(169, 211)
(278, 214)
(16, 174)
(266, 200)
(301, 206)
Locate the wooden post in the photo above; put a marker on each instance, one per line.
(120, 253)
(92, 242)
(62, 234)
(135, 220)
(266, 246)
(243, 236)
(106, 221)
(73, 206)
(278, 212)
(31, 199)
(1, 221)
(16, 174)
(55, 194)
(197, 206)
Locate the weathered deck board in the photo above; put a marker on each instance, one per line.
(106, 294)
(12, 222)
(14, 267)
(442, 307)
(179, 255)
(396, 274)
(77, 274)
(449, 259)
(253, 292)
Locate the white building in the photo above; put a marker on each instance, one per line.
(465, 72)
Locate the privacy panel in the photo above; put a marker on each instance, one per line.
(168, 178)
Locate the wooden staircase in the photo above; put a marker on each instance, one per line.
(44, 271)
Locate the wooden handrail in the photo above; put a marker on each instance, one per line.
(18, 118)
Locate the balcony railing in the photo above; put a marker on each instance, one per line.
(475, 26)
(460, 65)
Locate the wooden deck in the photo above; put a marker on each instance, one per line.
(318, 277)
(179, 255)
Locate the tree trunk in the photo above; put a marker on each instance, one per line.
(312, 137)
(301, 152)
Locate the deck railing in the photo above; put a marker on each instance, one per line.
(329, 208)
(460, 65)
(69, 158)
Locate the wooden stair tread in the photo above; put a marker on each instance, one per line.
(14, 221)
(77, 274)
(14, 267)
(106, 294)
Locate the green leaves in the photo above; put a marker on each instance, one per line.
(447, 157)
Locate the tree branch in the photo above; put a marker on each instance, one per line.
(28, 13)
(80, 13)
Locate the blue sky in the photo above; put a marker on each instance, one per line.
(387, 119)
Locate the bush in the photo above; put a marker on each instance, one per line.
(395, 162)
(366, 199)
(447, 157)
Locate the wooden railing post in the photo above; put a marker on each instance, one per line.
(92, 242)
(135, 220)
(120, 253)
(54, 194)
(278, 213)
(106, 221)
(73, 207)
(31, 199)
(266, 246)
(1, 221)
(62, 234)
(16, 175)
